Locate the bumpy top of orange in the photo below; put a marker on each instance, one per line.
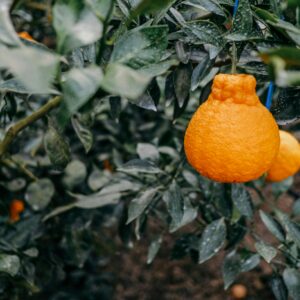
(235, 88)
(232, 137)
(287, 162)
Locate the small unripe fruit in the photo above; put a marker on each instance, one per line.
(239, 291)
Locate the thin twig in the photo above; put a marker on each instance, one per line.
(234, 58)
(37, 6)
(14, 130)
(23, 168)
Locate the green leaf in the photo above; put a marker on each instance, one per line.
(174, 200)
(9, 264)
(162, 12)
(31, 252)
(212, 240)
(209, 5)
(202, 32)
(83, 56)
(146, 6)
(75, 25)
(281, 187)
(291, 279)
(74, 174)
(284, 78)
(160, 68)
(243, 21)
(99, 7)
(139, 166)
(266, 251)
(236, 232)
(42, 65)
(182, 83)
(124, 81)
(179, 208)
(226, 2)
(96, 200)
(292, 228)
(84, 134)
(290, 55)
(56, 147)
(235, 263)
(153, 249)
(121, 185)
(231, 268)
(141, 46)
(239, 37)
(190, 177)
(15, 86)
(109, 195)
(78, 87)
(278, 288)
(97, 179)
(189, 215)
(296, 208)
(242, 200)
(39, 194)
(147, 151)
(286, 107)
(138, 205)
(115, 104)
(272, 226)
(14, 185)
(8, 35)
(286, 28)
(59, 210)
(200, 72)
(292, 3)
(275, 7)
(178, 17)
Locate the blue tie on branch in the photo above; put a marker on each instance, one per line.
(270, 95)
(236, 4)
(271, 85)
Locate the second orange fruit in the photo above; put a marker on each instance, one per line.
(287, 162)
(232, 137)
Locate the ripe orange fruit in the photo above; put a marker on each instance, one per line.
(15, 209)
(25, 35)
(232, 137)
(287, 161)
(239, 291)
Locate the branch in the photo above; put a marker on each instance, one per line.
(14, 130)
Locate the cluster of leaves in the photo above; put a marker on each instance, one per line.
(128, 75)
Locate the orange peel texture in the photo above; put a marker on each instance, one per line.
(287, 162)
(232, 137)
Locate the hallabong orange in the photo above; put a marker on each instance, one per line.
(287, 162)
(232, 137)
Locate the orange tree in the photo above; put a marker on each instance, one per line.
(95, 99)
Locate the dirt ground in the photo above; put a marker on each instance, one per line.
(183, 279)
(178, 280)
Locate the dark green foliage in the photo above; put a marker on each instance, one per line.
(130, 74)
